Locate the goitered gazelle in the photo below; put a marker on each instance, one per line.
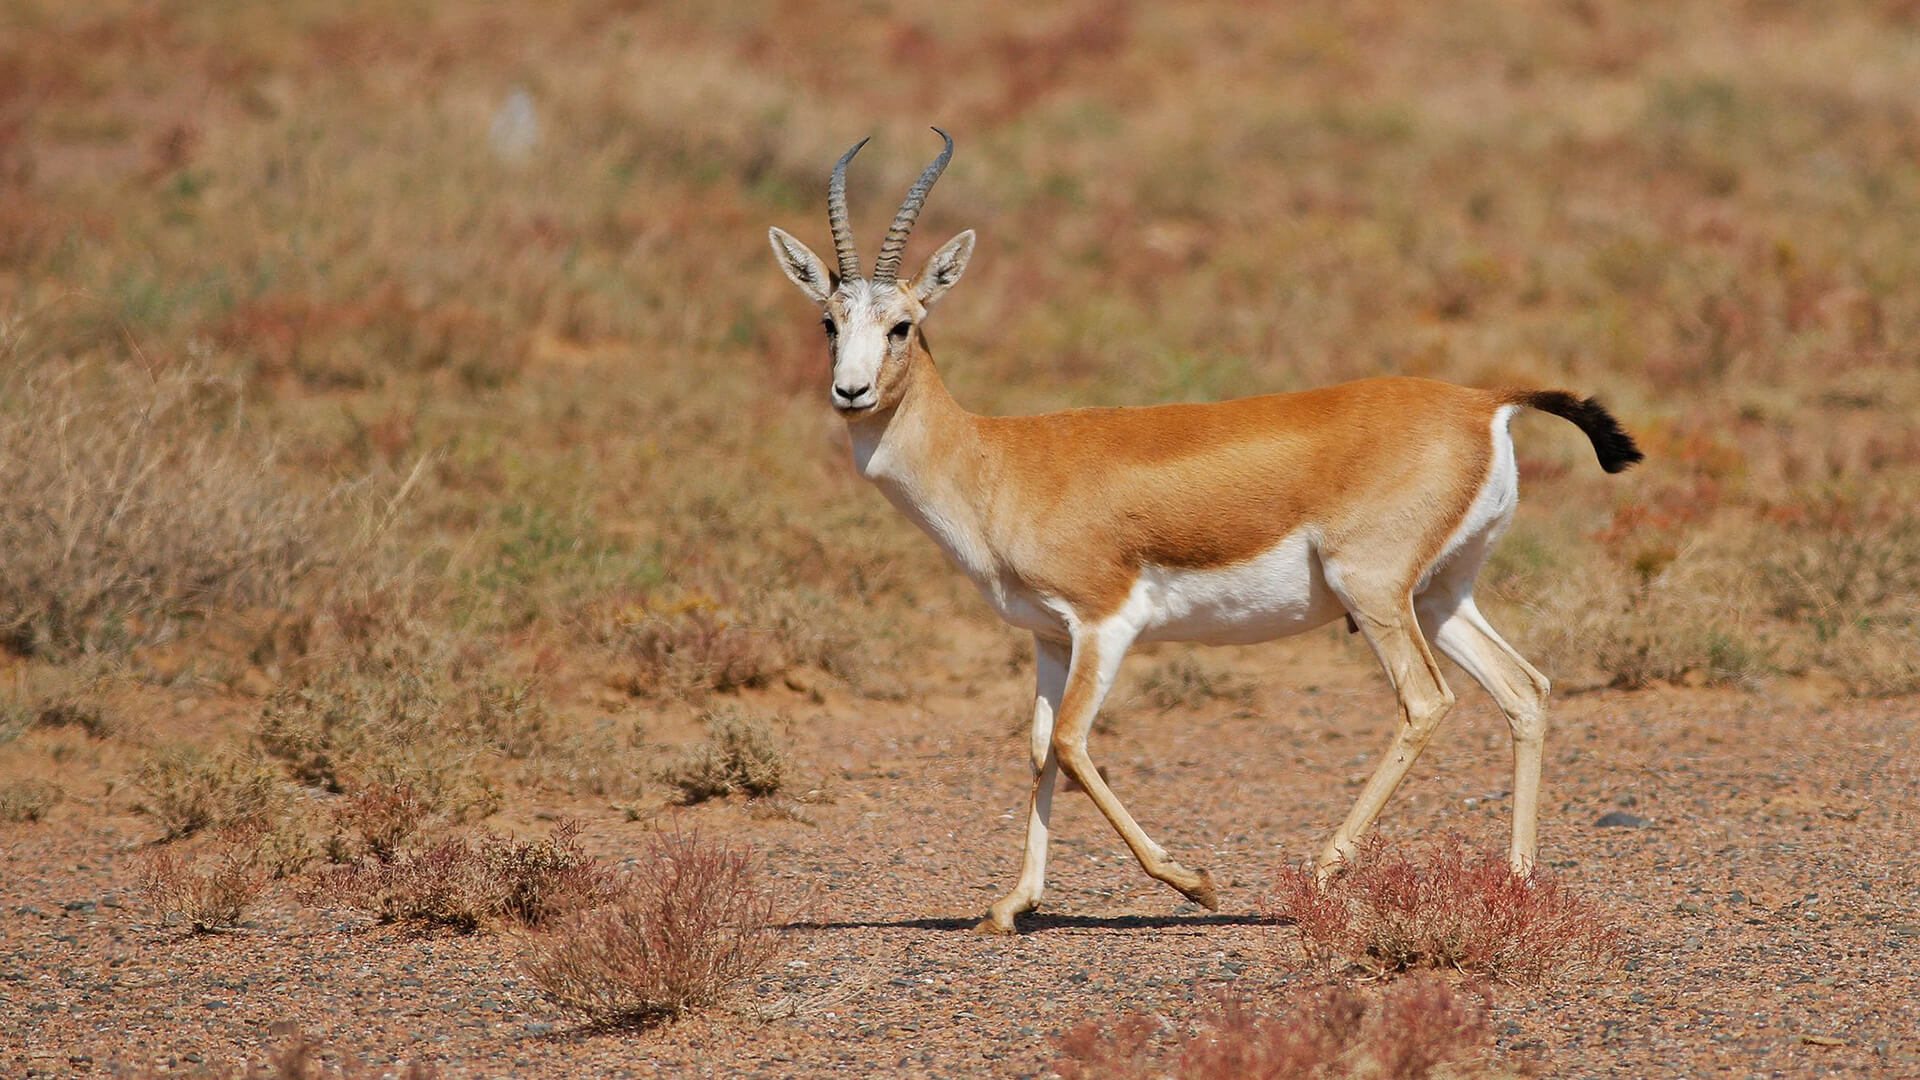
(1237, 521)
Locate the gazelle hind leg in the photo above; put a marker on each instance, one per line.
(1521, 692)
(1096, 659)
(1394, 633)
(1050, 669)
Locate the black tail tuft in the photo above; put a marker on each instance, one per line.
(1611, 443)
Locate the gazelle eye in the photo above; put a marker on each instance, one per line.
(899, 331)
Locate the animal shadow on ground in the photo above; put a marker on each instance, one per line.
(1035, 923)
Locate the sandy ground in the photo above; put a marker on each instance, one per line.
(1770, 903)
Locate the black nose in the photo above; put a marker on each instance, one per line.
(852, 395)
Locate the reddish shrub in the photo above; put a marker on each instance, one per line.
(1417, 1028)
(463, 884)
(1446, 907)
(211, 892)
(690, 924)
(381, 817)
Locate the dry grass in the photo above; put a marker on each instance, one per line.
(186, 790)
(152, 504)
(467, 883)
(403, 721)
(63, 696)
(1395, 910)
(210, 889)
(1412, 1030)
(1825, 587)
(692, 922)
(740, 756)
(28, 799)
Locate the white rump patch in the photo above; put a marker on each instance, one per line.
(1487, 517)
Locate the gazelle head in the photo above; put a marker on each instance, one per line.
(872, 324)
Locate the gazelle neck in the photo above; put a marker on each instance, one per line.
(926, 456)
(903, 445)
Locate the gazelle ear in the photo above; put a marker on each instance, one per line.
(802, 266)
(943, 268)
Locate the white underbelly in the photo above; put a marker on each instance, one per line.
(1279, 592)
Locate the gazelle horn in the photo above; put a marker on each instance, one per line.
(888, 265)
(837, 216)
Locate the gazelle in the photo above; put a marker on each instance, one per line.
(1237, 521)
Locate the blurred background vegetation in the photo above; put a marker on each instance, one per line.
(345, 340)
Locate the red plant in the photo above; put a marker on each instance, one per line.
(211, 892)
(692, 922)
(1445, 907)
(1410, 1031)
(464, 884)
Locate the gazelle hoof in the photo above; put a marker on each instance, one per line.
(1202, 892)
(989, 926)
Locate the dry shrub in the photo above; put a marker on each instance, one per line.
(694, 652)
(137, 504)
(1411, 1030)
(391, 726)
(1874, 661)
(1689, 619)
(28, 799)
(57, 697)
(607, 759)
(210, 890)
(188, 790)
(1445, 907)
(380, 818)
(691, 922)
(722, 640)
(1830, 586)
(465, 884)
(739, 755)
(1849, 573)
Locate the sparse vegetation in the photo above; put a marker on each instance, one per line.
(690, 923)
(186, 789)
(434, 470)
(28, 799)
(1395, 910)
(391, 725)
(211, 890)
(1412, 1030)
(739, 756)
(379, 818)
(465, 883)
(151, 504)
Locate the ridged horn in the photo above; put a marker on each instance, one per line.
(888, 265)
(837, 216)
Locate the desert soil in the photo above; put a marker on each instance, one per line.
(1769, 902)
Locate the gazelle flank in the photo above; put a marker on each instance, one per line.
(1237, 521)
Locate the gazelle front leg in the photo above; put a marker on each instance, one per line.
(1050, 663)
(1097, 652)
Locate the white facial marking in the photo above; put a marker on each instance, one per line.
(865, 315)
